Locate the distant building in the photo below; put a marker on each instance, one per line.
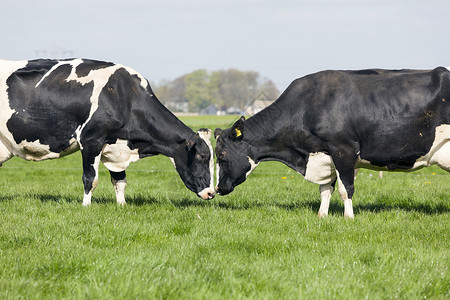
(178, 106)
(233, 110)
(210, 110)
(260, 102)
(54, 52)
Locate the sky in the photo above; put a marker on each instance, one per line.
(281, 40)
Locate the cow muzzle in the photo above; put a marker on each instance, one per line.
(222, 191)
(207, 194)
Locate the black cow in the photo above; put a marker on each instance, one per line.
(327, 124)
(52, 108)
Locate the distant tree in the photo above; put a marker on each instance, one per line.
(224, 88)
(270, 89)
(178, 89)
(162, 90)
(233, 87)
(197, 90)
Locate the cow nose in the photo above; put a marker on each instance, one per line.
(207, 194)
(222, 190)
(217, 190)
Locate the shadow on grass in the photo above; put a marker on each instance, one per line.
(138, 200)
(336, 207)
(58, 198)
(6, 198)
(417, 207)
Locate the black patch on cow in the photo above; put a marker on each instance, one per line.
(86, 66)
(118, 175)
(38, 66)
(50, 112)
(402, 127)
(114, 105)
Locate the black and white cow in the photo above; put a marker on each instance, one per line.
(327, 124)
(52, 108)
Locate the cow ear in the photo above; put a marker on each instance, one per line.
(190, 142)
(237, 131)
(204, 133)
(217, 132)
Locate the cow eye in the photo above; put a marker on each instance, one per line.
(201, 157)
(221, 155)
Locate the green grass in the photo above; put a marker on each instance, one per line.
(263, 241)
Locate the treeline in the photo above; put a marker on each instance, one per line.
(200, 89)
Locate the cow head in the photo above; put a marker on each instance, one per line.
(194, 163)
(233, 159)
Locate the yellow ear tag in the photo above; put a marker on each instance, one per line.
(238, 132)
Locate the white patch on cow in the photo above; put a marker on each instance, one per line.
(119, 188)
(173, 162)
(217, 168)
(206, 136)
(95, 165)
(87, 199)
(5, 154)
(36, 151)
(217, 174)
(118, 156)
(320, 168)
(440, 150)
(209, 192)
(6, 138)
(326, 190)
(253, 165)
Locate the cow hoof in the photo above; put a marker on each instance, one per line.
(322, 214)
(350, 217)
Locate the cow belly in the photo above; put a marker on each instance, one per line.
(117, 157)
(439, 154)
(320, 168)
(36, 151)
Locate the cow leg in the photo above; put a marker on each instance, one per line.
(345, 170)
(344, 162)
(347, 199)
(326, 190)
(91, 163)
(119, 181)
(346, 189)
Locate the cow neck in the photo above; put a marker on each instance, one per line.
(165, 133)
(267, 134)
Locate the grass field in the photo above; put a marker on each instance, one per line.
(263, 241)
